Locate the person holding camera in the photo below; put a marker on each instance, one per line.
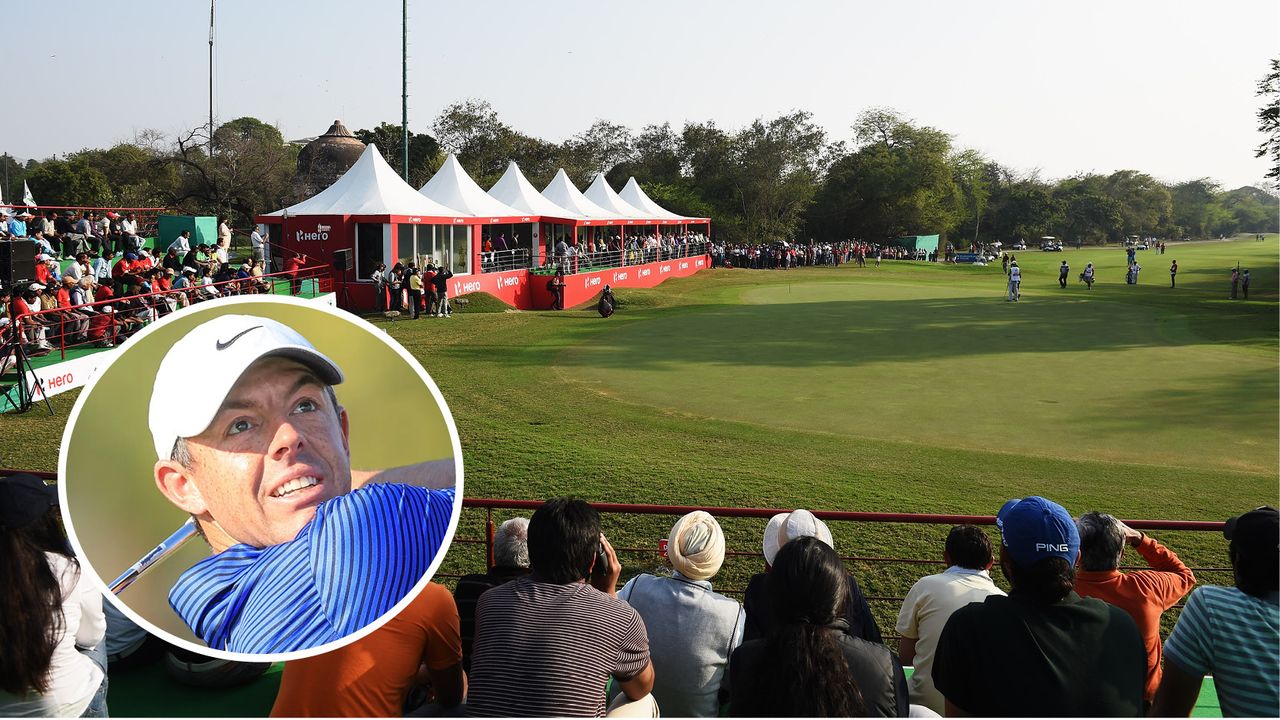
(545, 643)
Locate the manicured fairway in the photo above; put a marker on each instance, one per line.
(911, 388)
(912, 356)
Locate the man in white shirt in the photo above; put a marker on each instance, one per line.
(931, 601)
(129, 228)
(259, 244)
(1015, 280)
(182, 243)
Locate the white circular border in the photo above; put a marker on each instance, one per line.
(345, 316)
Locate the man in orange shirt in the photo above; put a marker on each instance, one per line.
(1144, 594)
(372, 676)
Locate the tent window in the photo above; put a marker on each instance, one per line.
(368, 249)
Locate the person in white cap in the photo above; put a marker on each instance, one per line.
(305, 551)
(783, 528)
(692, 630)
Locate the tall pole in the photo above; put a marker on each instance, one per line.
(211, 6)
(404, 86)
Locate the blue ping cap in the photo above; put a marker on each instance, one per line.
(1034, 528)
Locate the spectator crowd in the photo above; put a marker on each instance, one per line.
(99, 286)
(549, 631)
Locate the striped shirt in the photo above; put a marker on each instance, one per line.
(1236, 637)
(547, 650)
(360, 555)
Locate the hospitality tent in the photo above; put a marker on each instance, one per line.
(636, 197)
(556, 224)
(360, 220)
(509, 229)
(927, 243)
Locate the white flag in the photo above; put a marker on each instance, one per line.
(27, 198)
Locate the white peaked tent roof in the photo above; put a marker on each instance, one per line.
(563, 193)
(370, 187)
(601, 194)
(637, 197)
(452, 186)
(515, 190)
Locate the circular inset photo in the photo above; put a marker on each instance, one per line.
(261, 478)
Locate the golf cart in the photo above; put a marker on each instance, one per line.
(1018, 245)
(1049, 243)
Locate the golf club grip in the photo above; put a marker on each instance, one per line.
(158, 553)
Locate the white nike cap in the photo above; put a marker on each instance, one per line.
(221, 349)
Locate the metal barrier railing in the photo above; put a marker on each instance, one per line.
(603, 260)
(503, 260)
(490, 505)
(103, 323)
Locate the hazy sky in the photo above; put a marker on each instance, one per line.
(1066, 87)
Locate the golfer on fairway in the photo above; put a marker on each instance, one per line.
(255, 448)
(1015, 279)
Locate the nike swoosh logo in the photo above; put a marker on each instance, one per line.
(223, 345)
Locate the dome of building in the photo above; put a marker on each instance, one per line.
(324, 160)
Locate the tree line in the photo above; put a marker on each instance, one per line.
(781, 178)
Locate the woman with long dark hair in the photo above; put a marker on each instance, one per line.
(52, 659)
(810, 666)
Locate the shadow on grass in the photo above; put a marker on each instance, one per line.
(852, 333)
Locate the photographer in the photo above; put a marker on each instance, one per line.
(441, 283)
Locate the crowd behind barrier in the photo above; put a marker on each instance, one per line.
(617, 251)
(550, 617)
(101, 303)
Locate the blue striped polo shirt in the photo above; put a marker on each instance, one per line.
(1236, 637)
(360, 555)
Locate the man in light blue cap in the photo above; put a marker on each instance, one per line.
(1042, 650)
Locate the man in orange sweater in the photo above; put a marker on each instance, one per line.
(373, 676)
(1144, 594)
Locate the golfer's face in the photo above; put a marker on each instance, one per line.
(276, 449)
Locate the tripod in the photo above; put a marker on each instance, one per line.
(22, 366)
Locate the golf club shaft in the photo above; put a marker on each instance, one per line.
(160, 552)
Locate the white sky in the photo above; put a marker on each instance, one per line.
(1066, 87)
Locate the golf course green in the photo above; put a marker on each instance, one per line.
(913, 387)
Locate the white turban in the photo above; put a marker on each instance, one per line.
(696, 546)
(785, 527)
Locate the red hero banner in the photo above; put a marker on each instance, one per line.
(521, 289)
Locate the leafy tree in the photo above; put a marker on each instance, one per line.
(483, 143)
(598, 149)
(1269, 120)
(1145, 204)
(899, 181)
(1089, 213)
(1196, 210)
(1251, 210)
(247, 174)
(69, 182)
(1022, 207)
(424, 151)
(656, 159)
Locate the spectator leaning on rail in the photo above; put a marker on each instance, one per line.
(692, 630)
(1144, 594)
(934, 598)
(546, 643)
(1231, 632)
(781, 529)
(510, 561)
(1043, 649)
(305, 550)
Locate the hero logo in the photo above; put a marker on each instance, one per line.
(684, 266)
(700, 263)
(644, 272)
(467, 287)
(664, 269)
(590, 282)
(1050, 547)
(321, 234)
(620, 276)
(415, 219)
(506, 282)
